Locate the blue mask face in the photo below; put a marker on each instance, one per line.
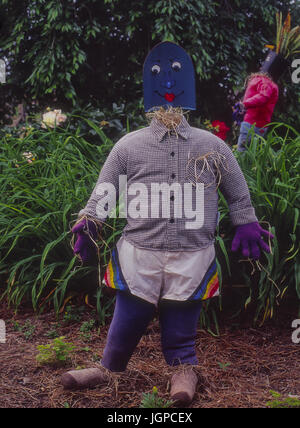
(169, 78)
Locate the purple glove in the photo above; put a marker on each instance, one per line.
(250, 237)
(84, 246)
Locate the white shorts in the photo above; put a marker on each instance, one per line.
(154, 275)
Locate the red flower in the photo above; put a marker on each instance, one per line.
(221, 130)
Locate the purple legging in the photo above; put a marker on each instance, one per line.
(178, 321)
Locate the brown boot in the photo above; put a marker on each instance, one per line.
(183, 386)
(86, 378)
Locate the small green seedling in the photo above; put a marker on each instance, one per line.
(73, 314)
(53, 333)
(27, 329)
(87, 326)
(223, 366)
(290, 402)
(152, 400)
(85, 330)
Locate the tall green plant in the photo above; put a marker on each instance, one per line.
(40, 197)
(271, 168)
(287, 38)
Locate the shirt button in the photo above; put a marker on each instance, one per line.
(173, 176)
(172, 198)
(172, 220)
(172, 153)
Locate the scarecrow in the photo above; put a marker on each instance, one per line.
(260, 98)
(164, 264)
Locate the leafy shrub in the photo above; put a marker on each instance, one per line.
(116, 120)
(56, 353)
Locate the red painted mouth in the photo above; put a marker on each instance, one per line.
(169, 97)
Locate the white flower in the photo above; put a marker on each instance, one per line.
(53, 118)
(29, 156)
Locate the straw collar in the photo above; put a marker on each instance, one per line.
(159, 130)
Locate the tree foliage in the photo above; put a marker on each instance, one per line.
(93, 51)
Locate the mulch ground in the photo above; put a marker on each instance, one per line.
(238, 368)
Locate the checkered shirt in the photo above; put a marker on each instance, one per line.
(156, 155)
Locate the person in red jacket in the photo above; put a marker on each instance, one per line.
(259, 101)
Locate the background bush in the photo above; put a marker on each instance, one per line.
(73, 53)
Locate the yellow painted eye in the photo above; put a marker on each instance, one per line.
(176, 66)
(155, 69)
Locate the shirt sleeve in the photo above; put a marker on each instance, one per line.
(264, 93)
(235, 189)
(107, 189)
